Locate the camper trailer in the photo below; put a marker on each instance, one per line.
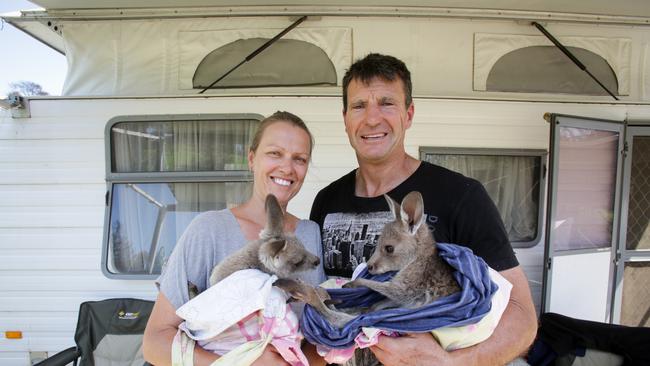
(546, 103)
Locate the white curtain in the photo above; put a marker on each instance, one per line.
(511, 182)
(187, 146)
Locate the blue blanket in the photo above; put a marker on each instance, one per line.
(461, 308)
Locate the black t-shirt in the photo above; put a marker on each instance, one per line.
(458, 210)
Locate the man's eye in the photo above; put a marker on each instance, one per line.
(389, 249)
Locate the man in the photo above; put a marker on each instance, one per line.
(377, 110)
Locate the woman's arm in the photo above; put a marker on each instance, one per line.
(161, 329)
(159, 334)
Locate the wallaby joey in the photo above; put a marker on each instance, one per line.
(317, 297)
(275, 252)
(407, 246)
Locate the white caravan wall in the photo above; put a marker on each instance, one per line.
(52, 186)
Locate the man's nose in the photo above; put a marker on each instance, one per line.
(373, 114)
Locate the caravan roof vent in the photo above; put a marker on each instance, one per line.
(287, 62)
(545, 69)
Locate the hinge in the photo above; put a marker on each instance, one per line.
(625, 148)
(106, 198)
(548, 263)
(617, 258)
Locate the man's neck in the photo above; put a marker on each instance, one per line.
(373, 180)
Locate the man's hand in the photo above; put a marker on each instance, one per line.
(410, 349)
(270, 357)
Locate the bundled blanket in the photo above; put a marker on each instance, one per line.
(237, 318)
(458, 320)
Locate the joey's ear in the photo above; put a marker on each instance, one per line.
(276, 246)
(412, 210)
(393, 206)
(274, 217)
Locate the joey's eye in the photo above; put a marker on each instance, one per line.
(300, 263)
(389, 249)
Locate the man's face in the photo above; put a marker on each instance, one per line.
(377, 119)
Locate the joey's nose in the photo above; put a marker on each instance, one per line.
(316, 261)
(371, 268)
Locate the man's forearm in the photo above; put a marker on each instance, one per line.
(514, 334)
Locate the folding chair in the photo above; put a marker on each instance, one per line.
(109, 332)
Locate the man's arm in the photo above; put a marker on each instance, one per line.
(512, 337)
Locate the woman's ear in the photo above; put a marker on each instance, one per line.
(251, 157)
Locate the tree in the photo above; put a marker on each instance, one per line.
(26, 88)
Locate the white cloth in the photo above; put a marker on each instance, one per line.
(243, 308)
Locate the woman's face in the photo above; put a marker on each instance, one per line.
(280, 162)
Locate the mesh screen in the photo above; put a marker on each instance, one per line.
(638, 225)
(635, 310)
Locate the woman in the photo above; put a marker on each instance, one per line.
(278, 157)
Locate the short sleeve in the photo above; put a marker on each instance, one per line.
(310, 237)
(192, 247)
(477, 224)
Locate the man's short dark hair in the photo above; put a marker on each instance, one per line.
(376, 65)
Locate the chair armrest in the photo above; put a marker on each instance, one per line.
(62, 358)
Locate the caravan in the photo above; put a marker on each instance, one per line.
(154, 120)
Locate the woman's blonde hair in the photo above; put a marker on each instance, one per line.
(280, 116)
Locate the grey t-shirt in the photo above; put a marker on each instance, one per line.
(211, 237)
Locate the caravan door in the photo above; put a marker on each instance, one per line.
(633, 269)
(582, 216)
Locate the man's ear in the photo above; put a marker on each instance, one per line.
(410, 112)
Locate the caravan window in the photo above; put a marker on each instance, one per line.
(162, 172)
(545, 69)
(512, 178)
(282, 64)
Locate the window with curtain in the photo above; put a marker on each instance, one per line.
(512, 178)
(164, 172)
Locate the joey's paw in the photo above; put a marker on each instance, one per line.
(353, 284)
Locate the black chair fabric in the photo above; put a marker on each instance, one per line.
(97, 319)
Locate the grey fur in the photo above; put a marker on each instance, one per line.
(316, 297)
(407, 246)
(275, 252)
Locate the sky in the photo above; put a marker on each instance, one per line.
(24, 58)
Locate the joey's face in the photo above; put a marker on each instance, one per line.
(280, 162)
(293, 258)
(394, 250)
